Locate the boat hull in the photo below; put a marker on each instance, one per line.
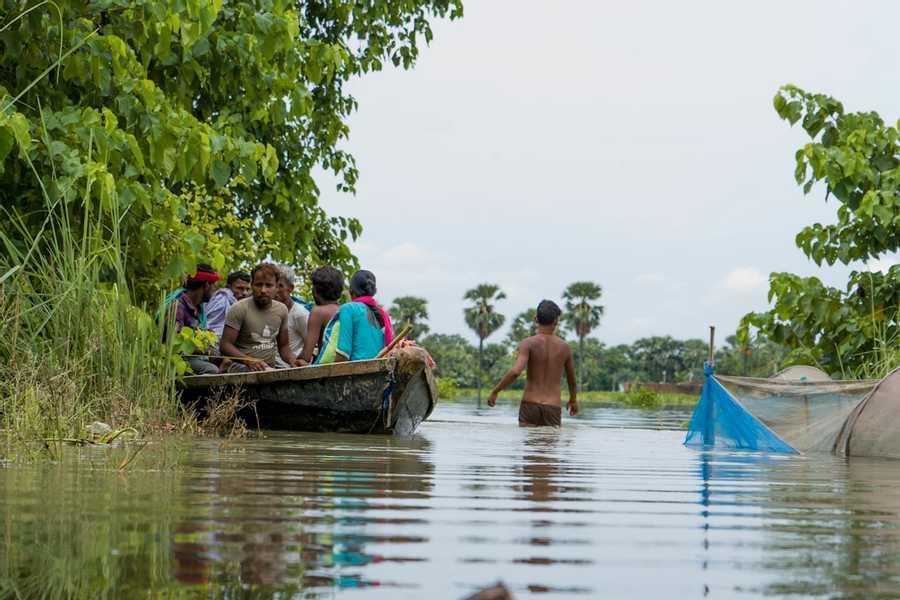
(384, 396)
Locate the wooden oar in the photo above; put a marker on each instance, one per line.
(397, 339)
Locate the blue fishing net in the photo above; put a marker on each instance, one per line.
(719, 420)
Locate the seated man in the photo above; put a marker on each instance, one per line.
(187, 302)
(256, 328)
(297, 315)
(545, 356)
(237, 287)
(327, 287)
(361, 327)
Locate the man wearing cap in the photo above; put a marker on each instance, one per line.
(187, 302)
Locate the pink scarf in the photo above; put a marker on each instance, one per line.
(385, 318)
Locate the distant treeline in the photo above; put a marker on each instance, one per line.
(599, 366)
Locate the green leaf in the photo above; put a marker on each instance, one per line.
(19, 126)
(6, 143)
(221, 173)
(195, 241)
(780, 104)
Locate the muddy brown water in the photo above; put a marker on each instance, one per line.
(612, 506)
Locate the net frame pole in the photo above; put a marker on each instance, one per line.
(711, 360)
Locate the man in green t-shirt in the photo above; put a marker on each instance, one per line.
(256, 329)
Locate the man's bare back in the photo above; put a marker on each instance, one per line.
(546, 357)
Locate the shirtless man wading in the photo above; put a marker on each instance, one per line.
(545, 356)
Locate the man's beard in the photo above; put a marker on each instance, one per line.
(262, 301)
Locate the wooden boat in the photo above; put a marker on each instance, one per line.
(391, 395)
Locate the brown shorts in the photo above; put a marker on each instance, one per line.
(532, 414)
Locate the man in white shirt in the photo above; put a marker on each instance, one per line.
(298, 316)
(237, 288)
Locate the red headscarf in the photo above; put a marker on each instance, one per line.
(204, 276)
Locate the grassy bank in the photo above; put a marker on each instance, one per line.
(641, 399)
(73, 347)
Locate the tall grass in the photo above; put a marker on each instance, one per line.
(885, 355)
(73, 347)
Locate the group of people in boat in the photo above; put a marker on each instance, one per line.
(260, 323)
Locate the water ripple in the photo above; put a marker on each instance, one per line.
(611, 505)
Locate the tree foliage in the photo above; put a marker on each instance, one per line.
(523, 326)
(127, 110)
(413, 311)
(653, 359)
(856, 157)
(754, 357)
(582, 315)
(482, 316)
(665, 359)
(456, 358)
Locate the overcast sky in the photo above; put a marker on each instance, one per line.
(633, 144)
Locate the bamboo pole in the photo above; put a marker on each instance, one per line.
(397, 339)
(711, 361)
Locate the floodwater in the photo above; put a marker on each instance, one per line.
(610, 506)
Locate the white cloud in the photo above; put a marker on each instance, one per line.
(738, 285)
(744, 279)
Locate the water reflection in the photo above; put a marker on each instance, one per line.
(809, 526)
(288, 514)
(600, 508)
(540, 466)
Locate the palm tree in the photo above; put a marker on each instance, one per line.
(582, 315)
(523, 326)
(411, 310)
(483, 318)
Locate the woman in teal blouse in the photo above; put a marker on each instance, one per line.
(361, 328)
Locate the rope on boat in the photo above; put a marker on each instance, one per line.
(384, 413)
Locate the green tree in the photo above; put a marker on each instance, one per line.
(657, 358)
(411, 310)
(456, 358)
(855, 157)
(523, 326)
(615, 366)
(582, 314)
(130, 110)
(753, 357)
(694, 352)
(497, 361)
(482, 318)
